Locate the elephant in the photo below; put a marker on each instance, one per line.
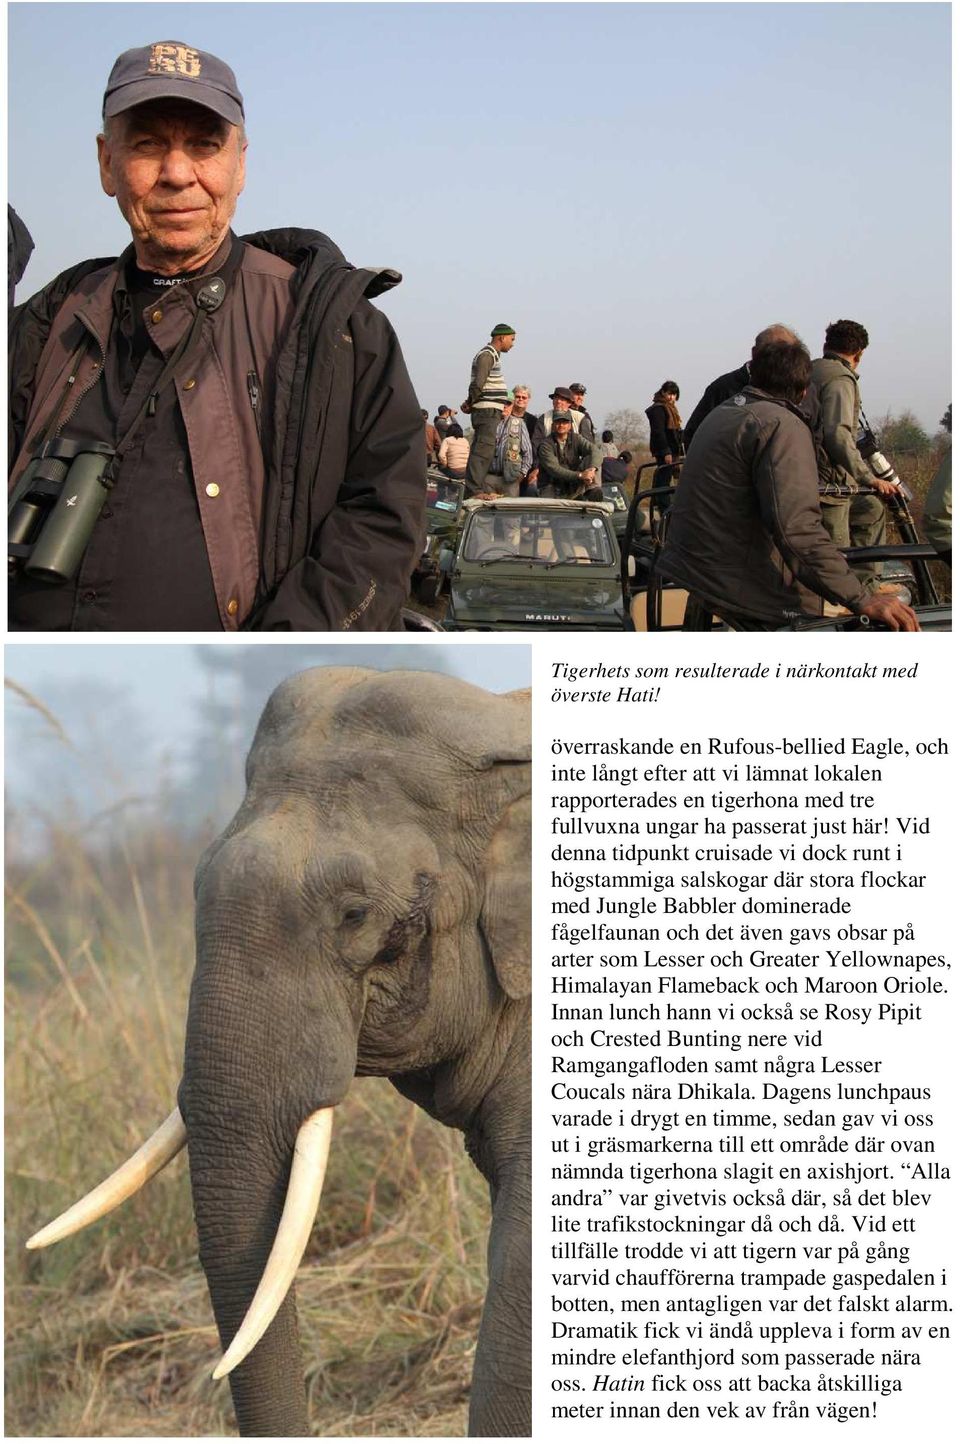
(366, 912)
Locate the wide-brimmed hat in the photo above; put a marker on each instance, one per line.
(562, 393)
(169, 68)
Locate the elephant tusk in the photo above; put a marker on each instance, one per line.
(299, 1211)
(153, 1155)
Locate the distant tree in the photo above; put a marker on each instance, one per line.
(629, 427)
(902, 436)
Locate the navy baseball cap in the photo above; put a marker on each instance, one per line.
(170, 68)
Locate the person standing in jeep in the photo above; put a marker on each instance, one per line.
(486, 397)
(859, 521)
(269, 467)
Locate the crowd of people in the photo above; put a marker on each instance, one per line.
(514, 451)
(774, 480)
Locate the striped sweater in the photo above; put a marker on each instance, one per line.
(488, 389)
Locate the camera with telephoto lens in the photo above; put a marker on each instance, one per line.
(55, 506)
(869, 449)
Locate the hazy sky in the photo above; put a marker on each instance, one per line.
(636, 188)
(153, 691)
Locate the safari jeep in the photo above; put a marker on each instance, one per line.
(526, 564)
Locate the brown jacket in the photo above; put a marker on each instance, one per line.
(745, 532)
(318, 526)
(221, 423)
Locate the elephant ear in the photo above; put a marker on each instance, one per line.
(498, 740)
(492, 730)
(505, 911)
(492, 737)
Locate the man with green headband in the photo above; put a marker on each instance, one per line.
(485, 401)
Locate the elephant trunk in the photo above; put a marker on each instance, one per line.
(237, 1220)
(250, 1097)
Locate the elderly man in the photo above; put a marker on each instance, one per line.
(585, 426)
(562, 398)
(534, 427)
(731, 382)
(745, 537)
(258, 441)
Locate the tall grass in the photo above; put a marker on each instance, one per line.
(111, 1332)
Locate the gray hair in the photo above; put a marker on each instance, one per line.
(522, 386)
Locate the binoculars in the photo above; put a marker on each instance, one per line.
(55, 506)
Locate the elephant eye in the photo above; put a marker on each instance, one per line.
(353, 917)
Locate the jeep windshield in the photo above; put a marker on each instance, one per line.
(538, 538)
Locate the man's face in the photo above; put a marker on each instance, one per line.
(578, 399)
(561, 404)
(505, 343)
(176, 171)
(561, 429)
(521, 400)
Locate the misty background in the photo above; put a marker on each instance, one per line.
(110, 741)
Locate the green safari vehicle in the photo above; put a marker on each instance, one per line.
(534, 564)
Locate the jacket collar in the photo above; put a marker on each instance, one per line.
(110, 296)
(753, 393)
(224, 263)
(834, 356)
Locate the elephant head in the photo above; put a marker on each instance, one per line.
(367, 911)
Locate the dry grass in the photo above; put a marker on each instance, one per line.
(110, 1333)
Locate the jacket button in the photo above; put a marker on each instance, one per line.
(156, 316)
(189, 385)
(232, 607)
(212, 489)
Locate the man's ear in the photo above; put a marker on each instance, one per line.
(105, 160)
(243, 165)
